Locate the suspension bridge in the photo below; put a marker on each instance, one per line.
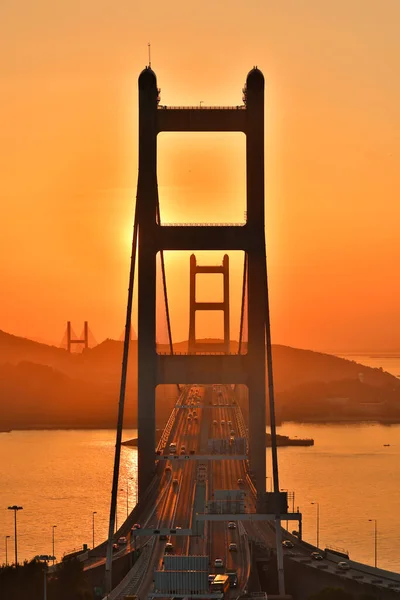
(202, 504)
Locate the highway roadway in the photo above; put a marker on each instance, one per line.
(192, 429)
(202, 414)
(224, 475)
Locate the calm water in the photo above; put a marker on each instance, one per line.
(388, 361)
(61, 477)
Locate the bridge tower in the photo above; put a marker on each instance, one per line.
(71, 340)
(250, 368)
(195, 306)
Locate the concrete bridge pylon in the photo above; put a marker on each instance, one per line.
(250, 368)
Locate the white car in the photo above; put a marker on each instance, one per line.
(343, 565)
(218, 563)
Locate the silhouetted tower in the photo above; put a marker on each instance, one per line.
(195, 306)
(250, 368)
(71, 340)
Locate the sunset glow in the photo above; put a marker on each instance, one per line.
(68, 159)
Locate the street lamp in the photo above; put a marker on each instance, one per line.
(44, 558)
(122, 490)
(94, 513)
(54, 526)
(15, 508)
(317, 505)
(127, 495)
(374, 521)
(7, 537)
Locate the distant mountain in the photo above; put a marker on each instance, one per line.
(45, 386)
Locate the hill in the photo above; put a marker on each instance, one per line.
(45, 386)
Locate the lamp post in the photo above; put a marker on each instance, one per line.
(374, 521)
(93, 513)
(317, 505)
(122, 490)
(7, 537)
(127, 495)
(54, 526)
(44, 558)
(15, 508)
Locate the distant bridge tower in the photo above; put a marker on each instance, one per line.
(71, 340)
(195, 306)
(250, 368)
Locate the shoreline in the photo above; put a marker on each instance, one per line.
(314, 421)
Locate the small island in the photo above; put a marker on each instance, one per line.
(281, 440)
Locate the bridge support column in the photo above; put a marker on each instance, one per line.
(195, 306)
(250, 238)
(256, 279)
(147, 199)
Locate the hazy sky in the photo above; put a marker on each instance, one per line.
(68, 158)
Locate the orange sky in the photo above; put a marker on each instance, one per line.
(68, 158)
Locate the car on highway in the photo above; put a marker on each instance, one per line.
(115, 547)
(316, 556)
(229, 423)
(232, 547)
(175, 481)
(211, 578)
(218, 563)
(183, 448)
(192, 451)
(122, 541)
(136, 526)
(167, 469)
(232, 432)
(169, 548)
(223, 422)
(240, 481)
(231, 525)
(215, 422)
(295, 533)
(343, 565)
(287, 544)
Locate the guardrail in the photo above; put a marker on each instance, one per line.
(132, 580)
(201, 107)
(203, 224)
(201, 353)
(167, 430)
